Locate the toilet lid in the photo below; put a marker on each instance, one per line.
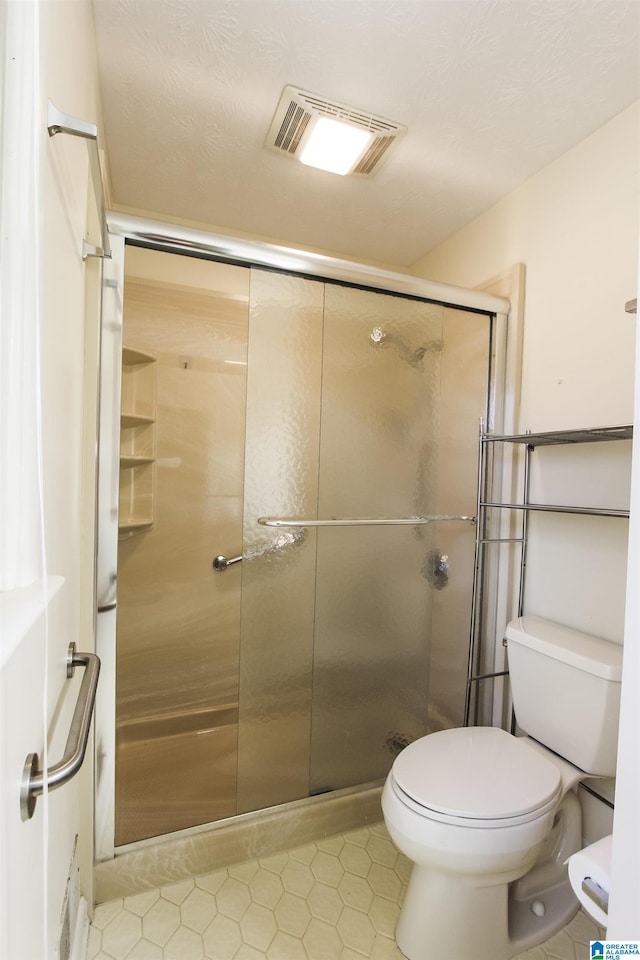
(476, 773)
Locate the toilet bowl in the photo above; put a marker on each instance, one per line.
(474, 809)
(489, 819)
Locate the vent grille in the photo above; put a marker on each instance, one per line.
(296, 109)
(293, 126)
(374, 155)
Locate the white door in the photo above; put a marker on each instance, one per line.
(47, 414)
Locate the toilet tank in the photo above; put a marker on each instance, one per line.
(566, 691)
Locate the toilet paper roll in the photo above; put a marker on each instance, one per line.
(590, 876)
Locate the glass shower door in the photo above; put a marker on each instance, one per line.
(342, 421)
(378, 458)
(306, 667)
(178, 624)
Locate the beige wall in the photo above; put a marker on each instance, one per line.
(575, 227)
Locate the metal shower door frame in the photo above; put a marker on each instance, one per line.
(171, 238)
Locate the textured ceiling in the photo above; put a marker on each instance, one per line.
(490, 90)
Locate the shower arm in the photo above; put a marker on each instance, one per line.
(361, 521)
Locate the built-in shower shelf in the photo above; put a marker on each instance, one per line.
(128, 420)
(133, 358)
(126, 462)
(137, 442)
(133, 525)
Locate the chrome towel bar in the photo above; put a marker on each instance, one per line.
(361, 521)
(59, 122)
(33, 778)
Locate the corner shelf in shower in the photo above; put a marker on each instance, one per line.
(135, 461)
(135, 420)
(134, 526)
(133, 358)
(528, 441)
(137, 442)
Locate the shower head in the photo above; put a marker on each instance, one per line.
(378, 337)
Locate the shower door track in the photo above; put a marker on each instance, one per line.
(197, 243)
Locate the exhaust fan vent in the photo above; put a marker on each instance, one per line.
(295, 116)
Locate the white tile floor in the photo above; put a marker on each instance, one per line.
(337, 899)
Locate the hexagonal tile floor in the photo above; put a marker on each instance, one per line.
(338, 899)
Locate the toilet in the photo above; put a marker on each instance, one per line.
(488, 818)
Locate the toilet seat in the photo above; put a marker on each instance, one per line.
(486, 778)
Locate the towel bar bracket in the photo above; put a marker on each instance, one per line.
(59, 122)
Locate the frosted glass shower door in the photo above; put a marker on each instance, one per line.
(342, 421)
(178, 624)
(278, 569)
(378, 458)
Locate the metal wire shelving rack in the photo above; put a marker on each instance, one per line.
(484, 539)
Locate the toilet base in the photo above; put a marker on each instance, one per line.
(527, 928)
(443, 916)
(542, 901)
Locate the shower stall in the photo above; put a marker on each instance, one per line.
(293, 472)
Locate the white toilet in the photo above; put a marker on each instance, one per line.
(489, 819)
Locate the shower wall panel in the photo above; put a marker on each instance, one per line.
(278, 575)
(178, 623)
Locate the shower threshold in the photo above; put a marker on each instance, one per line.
(197, 850)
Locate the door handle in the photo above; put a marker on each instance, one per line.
(221, 563)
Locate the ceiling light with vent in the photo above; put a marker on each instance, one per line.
(330, 135)
(335, 146)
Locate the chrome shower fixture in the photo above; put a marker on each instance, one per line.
(378, 337)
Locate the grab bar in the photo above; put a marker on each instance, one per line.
(221, 563)
(360, 521)
(33, 778)
(59, 122)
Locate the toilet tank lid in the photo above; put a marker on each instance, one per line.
(580, 650)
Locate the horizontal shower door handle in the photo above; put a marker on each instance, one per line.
(221, 563)
(35, 779)
(361, 521)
